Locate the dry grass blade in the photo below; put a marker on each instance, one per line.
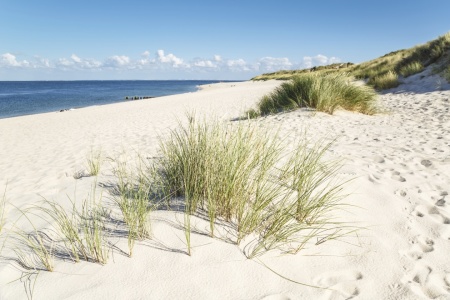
(2, 210)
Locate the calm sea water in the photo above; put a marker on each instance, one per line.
(19, 98)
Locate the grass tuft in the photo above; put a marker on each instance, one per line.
(411, 69)
(81, 231)
(324, 93)
(133, 199)
(94, 161)
(386, 81)
(233, 173)
(38, 255)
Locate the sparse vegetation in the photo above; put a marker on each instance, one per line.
(405, 62)
(288, 74)
(411, 69)
(38, 254)
(94, 161)
(77, 236)
(133, 198)
(233, 174)
(324, 93)
(385, 81)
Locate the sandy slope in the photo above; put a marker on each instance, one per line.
(401, 161)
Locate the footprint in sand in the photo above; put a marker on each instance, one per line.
(420, 246)
(396, 176)
(373, 178)
(402, 193)
(445, 233)
(426, 283)
(339, 284)
(432, 211)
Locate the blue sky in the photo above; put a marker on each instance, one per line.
(75, 40)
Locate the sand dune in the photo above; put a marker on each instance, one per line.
(400, 159)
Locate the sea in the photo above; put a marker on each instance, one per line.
(18, 98)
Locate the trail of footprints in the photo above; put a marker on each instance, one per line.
(339, 284)
(423, 280)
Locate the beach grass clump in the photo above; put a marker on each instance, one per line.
(37, 255)
(321, 92)
(134, 192)
(411, 69)
(242, 175)
(94, 161)
(386, 81)
(34, 250)
(81, 232)
(92, 226)
(211, 165)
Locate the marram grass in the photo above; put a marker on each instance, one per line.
(133, 199)
(411, 69)
(238, 174)
(94, 161)
(234, 173)
(321, 92)
(386, 81)
(404, 62)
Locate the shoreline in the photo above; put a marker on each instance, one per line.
(125, 98)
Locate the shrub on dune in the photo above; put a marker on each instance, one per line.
(323, 92)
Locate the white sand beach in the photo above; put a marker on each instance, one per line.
(400, 160)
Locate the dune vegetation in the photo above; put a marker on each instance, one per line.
(327, 88)
(322, 92)
(226, 173)
(232, 173)
(381, 72)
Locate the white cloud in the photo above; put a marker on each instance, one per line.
(204, 64)
(237, 65)
(117, 61)
(152, 62)
(75, 58)
(42, 62)
(145, 60)
(169, 58)
(319, 60)
(274, 63)
(10, 60)
(75, 62)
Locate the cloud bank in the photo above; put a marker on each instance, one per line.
(162, 61)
